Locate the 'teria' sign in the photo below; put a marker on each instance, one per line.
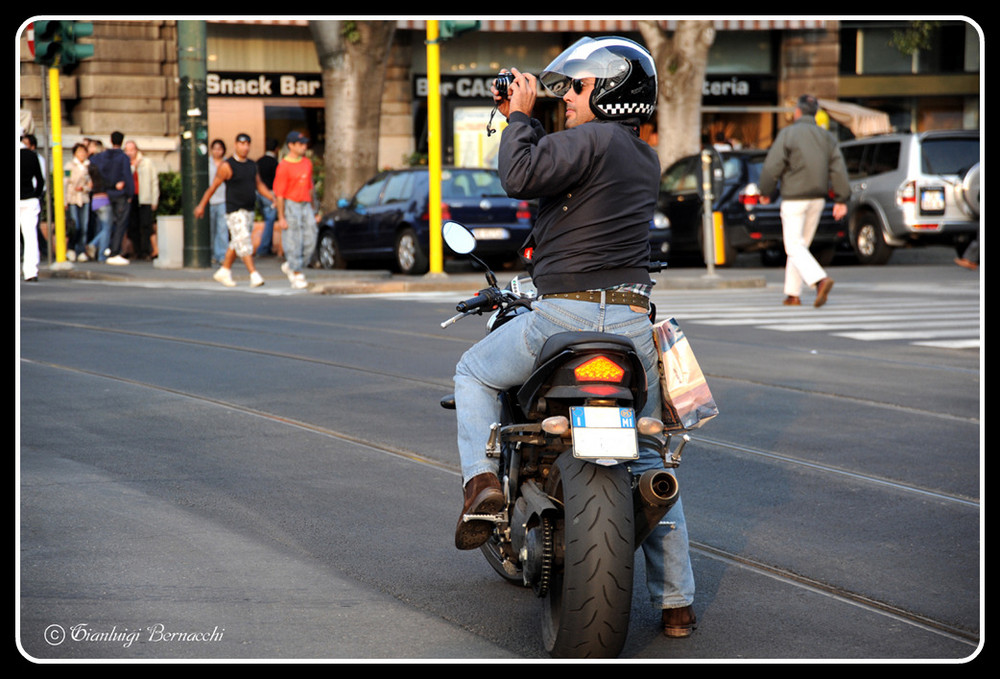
(264, 85)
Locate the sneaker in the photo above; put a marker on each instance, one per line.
(224, 276)
(91, 251)
(116, 260)
(285, 269)
(299, 282)
(70, 255)
(82, 257)
(256, 280)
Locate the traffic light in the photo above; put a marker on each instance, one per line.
(451, 29)
(56, 42)
(72, 51)
(48, 41)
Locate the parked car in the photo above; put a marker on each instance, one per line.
(748, 224)
(912, 189)
(387, 220)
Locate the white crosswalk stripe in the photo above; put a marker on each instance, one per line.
(922, 319)
(893, 314)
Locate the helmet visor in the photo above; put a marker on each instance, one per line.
(586, 58)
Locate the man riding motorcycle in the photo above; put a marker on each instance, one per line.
(596, 183)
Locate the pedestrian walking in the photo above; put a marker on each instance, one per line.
(218, 231)
(238, 174)
(806, 161)
(32, 181)
(293, 185)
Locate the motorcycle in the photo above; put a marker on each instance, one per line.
(574, 512)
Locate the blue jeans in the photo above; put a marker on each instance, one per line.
(299, 239)
(267, 235)
(219, 230)
(505, 358)
(102, 239)
(80, 214)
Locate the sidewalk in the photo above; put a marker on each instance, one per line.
(458, 276)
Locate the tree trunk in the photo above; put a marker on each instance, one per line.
(353, 56)
(681, 63)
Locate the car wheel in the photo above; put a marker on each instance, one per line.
(868, 242)
(328, 251)
(410, 257)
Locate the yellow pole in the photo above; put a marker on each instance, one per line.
(434, 145)
(57, 171)
(720, 238)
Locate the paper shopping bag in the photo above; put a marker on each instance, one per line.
(687, 400)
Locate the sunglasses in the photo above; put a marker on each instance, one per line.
(577, 85)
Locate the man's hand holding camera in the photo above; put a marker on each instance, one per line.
(514, 91)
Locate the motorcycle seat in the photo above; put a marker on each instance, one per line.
(561, 341)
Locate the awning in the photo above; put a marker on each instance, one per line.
(862, 121)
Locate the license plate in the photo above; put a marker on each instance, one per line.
(932, 200)
(604, 433)
(491, 234)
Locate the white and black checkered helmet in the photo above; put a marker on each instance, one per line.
(625, 75)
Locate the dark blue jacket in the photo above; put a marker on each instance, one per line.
(114, 167)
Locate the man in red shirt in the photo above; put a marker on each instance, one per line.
(293, 187)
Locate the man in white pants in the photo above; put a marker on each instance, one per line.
(806, 160)
(32, 182)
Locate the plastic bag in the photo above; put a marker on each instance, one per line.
(687, 400)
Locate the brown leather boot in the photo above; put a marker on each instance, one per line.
(482, 496)
(678, 622)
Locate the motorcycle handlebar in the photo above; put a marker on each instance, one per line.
(484, 299)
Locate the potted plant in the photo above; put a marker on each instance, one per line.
(168, 234)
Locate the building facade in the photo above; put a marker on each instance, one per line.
(264, 79)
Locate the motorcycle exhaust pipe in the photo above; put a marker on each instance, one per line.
(654, 495)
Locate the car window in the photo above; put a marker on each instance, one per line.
(948, 156)
(368, 194)
(885, 157)
(471, 184)
(681, 177)
(853, 157)
(732, 168)
(398, 188)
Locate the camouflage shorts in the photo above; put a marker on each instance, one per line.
(240, 224)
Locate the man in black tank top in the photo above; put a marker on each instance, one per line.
(242, 185)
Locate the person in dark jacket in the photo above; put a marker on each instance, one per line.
(116, 168)
(806, 160)
(267, 164)
(32, 181)
(596, 183)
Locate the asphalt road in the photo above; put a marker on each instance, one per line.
(244, 475)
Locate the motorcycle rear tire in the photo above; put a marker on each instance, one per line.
(586, 613)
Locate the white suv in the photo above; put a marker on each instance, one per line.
(912, 189)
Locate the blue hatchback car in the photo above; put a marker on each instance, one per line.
(387, 220)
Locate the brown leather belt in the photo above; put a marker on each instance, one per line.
(610, 297)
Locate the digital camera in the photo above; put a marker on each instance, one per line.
(502, 82)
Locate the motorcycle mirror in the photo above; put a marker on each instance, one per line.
(458, 238)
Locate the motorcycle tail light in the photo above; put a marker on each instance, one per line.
(599, 369)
